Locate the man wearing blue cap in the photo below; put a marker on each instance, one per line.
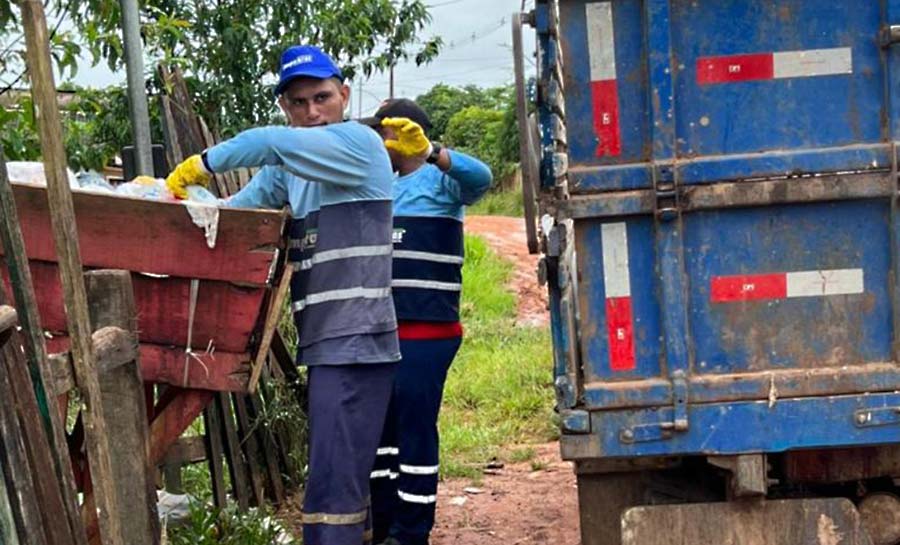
(336, 177)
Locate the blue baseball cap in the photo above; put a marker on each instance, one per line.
(305, 61)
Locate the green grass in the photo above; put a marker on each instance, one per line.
(499, 203)
(499, 390)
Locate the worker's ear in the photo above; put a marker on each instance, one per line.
(345, 95)
(282, 103)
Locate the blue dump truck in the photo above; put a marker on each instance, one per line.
(713, 186)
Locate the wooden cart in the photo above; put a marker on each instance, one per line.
(218, 297)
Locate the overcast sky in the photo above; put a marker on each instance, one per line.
(477, 49)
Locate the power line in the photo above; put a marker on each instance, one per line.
(442, 4)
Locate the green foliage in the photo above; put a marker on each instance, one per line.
(209, 526)
(19, 136)
(500, 203)
(479, 131)
(95, 123)
(478, 121)
(229, 48)
(442, 102)
(499, 390)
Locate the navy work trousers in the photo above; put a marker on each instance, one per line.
(347, 407)
(405, 476)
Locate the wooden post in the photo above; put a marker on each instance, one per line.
(271, 325)
(8, 535)
(214, 451)
(25, 300)
(14, 461)
(251, 448)
(68, 252)
(46, 486)
(111, 300)
(239, 478)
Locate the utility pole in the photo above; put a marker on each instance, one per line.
(359, 99)
(391, 90)
(137, 93)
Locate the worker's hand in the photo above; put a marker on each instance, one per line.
(190, 172)
(410, 138)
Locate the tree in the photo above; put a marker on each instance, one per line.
(442, 101)
(229, 49)
(479, 131)
(478, 121)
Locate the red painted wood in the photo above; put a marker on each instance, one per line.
(733, 68)
(219, 371)
(225, 313)
(605, 101)
(171, 421)
(155, 237)
(749, 287)
(620, 331)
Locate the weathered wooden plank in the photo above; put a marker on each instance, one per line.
(273, 315)
(8, 318)
(65, 235)
(155, 236)
(220, 371)
(113, 315)
(250, 446)
(8, 533)
(269, 449)
(224, 182)
(212, 420)
(24, 495)
(22, 290)
(173, 146)
(184, 126)
(114, 347)
(237, 466)
(186, 450)
(171, 421)
(226, 314)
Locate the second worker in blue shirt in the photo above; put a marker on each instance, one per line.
(433, 186)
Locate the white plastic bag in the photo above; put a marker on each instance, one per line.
(32, 172)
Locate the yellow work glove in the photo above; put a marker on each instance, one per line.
(410, 138)
(190, 172)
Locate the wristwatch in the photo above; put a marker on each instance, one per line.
(435, 153)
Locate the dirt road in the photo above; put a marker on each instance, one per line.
(506, 236)
(529, 503)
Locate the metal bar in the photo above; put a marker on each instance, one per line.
(735, 167)
(660, 60)
(836, 187)
(526, 159)
(773, 386)
(67, 249)
(721, 428)
(137, 93)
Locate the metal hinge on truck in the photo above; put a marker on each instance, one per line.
(673, 419)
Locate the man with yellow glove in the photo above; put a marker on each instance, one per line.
(336, 177)
(433, 186)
